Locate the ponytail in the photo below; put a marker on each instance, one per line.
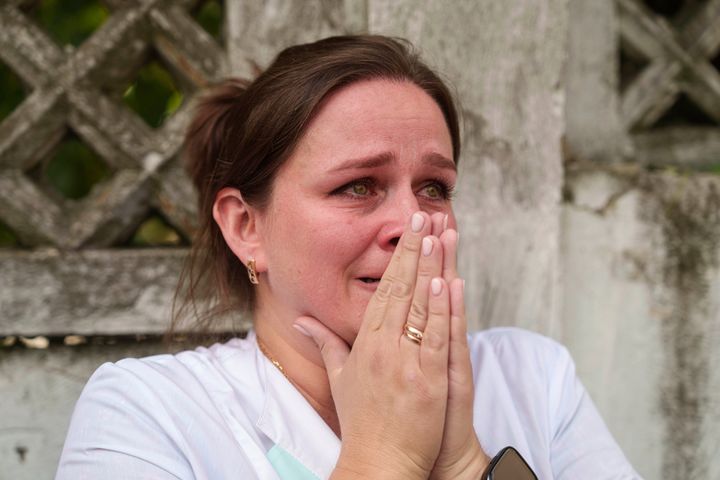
(211, 273)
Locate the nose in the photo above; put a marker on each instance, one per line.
(396, 214)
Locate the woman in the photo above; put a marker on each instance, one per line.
(329, 181)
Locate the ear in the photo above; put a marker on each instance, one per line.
(237, 222)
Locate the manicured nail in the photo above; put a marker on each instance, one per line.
(417, 222)
(436, 286)
(301, 329)
(445, 220)
(427, 246)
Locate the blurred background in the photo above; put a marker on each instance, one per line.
(589, 194)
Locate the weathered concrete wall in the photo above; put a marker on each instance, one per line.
(38, 390)
(640, 247)
(641, 311)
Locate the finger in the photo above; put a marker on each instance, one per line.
(449, 240)
(429, 267)
(459, 366)
(333, 349)
(388, 308)
(457, 308)
(439, 223)
(435, 344)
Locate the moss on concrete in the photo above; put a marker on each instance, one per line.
(686, 208)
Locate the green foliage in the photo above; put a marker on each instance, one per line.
(155, 232)
(74, 168)
(69, 22)
(209, 15)
(12, 90)
(7, 237)
(153, 95)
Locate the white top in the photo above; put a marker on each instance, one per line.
(226, 412)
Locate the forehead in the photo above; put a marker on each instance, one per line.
(375, 99)
(374, 117)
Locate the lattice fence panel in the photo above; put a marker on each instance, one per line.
(670, 101)
(71, 273)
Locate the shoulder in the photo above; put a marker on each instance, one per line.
(170, 389)
(517, 345)
(169, 382)
(167, 411)
(207, 367)
(526, 362)
(156, 376)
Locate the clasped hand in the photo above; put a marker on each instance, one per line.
(405, 408)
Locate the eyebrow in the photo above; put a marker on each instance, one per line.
(433, 159)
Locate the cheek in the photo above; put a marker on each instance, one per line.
(322, 236)
(328, 254)
(317, 248)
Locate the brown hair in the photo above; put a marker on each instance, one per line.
(243, 132)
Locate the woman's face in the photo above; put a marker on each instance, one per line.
(376, 152)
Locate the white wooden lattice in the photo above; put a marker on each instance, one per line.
(72, 89)
(68, 92)
(679, 56)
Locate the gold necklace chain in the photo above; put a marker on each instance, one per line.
(269, 356)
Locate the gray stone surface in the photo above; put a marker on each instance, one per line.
(49, 292)
(607, 325)
(641, 311)
(639, 250)
(38, 390)
(258, 30)
(593, 125)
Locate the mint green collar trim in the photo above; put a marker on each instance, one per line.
(287, 466)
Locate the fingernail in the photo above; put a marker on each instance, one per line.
(436, 286)
(417, 222)
(445, 220)
(427, 246)
(301, 329)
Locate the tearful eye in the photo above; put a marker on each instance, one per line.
(433, 191)
(360, 189)
(437, 190)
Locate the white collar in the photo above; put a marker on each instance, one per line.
(292, 423)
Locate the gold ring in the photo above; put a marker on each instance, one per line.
(413, 334)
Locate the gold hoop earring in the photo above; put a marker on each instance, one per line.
(252, 273)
